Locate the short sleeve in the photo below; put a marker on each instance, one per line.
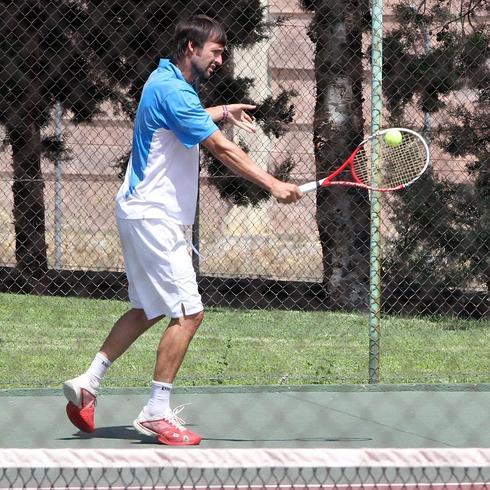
(187, 118)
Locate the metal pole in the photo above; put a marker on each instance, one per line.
(375, 246)
(57, 188)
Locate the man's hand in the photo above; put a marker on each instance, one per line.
(239, 118)
(285, 192)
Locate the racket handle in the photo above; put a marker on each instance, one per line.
(310, 186)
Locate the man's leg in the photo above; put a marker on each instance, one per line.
(124, 332)
(157, 418)
(171, 352)
(81, 392)
(173, 346)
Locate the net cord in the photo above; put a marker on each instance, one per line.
(244, 458)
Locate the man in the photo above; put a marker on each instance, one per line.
(157, 198)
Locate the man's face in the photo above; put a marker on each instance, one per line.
(206, 60)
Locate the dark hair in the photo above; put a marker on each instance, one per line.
(197, 29)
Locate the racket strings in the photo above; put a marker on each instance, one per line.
(397, 165)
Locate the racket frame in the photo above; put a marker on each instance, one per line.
(328, 181)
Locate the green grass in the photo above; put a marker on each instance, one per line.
(46, 340)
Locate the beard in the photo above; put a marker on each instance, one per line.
(200, 72)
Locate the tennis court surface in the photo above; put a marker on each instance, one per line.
(257, 437)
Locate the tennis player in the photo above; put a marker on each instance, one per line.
(158, 197)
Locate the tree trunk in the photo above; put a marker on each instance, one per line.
(24, 132)
(28, 189)
(342, 214)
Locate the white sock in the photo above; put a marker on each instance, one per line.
(95, 373)
(159, 401)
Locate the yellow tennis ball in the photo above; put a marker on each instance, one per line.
(393, 137)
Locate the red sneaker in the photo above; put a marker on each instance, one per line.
(168, 430)
(81, 405)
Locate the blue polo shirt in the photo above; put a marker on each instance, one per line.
(162, 176)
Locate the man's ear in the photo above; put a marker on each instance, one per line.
(190, 47)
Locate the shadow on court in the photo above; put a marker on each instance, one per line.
(341, 416)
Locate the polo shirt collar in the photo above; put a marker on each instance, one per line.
(166, 64)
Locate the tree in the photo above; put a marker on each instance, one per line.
(84, 53)
(342, 214)
(443, 227)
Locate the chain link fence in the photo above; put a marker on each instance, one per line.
(72, 73)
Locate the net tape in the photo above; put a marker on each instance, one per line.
(245, 468)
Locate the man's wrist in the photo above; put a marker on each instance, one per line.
(225, 112)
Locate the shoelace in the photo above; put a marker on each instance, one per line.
(173, 416)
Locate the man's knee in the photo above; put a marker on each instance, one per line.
(190, 322)
(196, 319)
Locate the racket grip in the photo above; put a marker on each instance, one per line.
(310, 186)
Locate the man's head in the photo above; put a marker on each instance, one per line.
(198, 46)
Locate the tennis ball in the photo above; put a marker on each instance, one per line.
(393, 137)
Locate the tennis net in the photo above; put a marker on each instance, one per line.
(194, 468)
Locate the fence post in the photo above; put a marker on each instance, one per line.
(58, 213)
(375, 248)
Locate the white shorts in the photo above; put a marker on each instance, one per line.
(161, 278)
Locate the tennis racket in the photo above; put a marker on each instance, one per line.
(400, 162)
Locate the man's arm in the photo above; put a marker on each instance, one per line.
(239, 162)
